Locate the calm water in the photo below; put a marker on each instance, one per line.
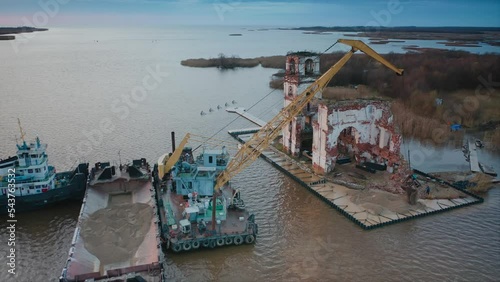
(63, 84)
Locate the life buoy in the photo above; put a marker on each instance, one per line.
(229, 240)
(186, 246)
(249, 239)
(176, 247)
(212, 243)
(196, 244)
(205, 243)
(238, 240)
(220, 242)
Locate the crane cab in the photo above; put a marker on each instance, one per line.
(185, 226)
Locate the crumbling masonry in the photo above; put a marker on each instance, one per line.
(327, 130)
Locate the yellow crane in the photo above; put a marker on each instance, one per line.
(166, 162)
(262, 139)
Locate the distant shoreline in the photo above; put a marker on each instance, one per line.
(6, 33)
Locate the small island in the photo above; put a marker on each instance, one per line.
(6, 33)
(7, 37)
(232, 62)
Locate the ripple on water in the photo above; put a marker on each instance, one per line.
(42, 242)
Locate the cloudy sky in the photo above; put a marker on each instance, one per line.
(94, 13)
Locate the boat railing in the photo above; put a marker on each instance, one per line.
(31, 180)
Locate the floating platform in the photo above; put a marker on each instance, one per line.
(242, 112)
(117, 237)
(473, 159)
(487, 170)
(475, 165)
(365, 214)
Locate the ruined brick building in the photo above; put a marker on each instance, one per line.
(363, 130)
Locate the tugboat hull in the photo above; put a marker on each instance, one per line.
(74, 191)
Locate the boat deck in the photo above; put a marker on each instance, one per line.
(117, 230)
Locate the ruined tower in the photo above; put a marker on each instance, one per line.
(302, 68)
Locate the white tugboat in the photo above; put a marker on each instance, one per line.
(36, 182)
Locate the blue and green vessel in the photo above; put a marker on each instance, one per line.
(186, 201)
(37, 184)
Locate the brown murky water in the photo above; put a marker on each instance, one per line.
(62, 84)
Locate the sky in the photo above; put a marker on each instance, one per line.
(295, 13)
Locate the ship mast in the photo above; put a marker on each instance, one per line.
(120, 158)
(21, 130)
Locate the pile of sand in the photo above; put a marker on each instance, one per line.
(377, 201)
(115, 233)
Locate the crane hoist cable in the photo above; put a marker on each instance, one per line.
(260, 100)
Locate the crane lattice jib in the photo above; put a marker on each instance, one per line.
(172, 160)
(262, 139)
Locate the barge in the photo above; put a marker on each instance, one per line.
(185, 201)
(117, 237)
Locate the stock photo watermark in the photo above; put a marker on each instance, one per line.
(309, 267)
(41, 18)
(121, 109)
(470, 105)
(383, 17)
(11, 221)
(223, 7)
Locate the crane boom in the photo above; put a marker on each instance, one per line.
(262, 139)
(176, 154)
(360, 45)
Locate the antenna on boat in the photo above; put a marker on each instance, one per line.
(120, 159)
(21, 130)
(409, 160)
